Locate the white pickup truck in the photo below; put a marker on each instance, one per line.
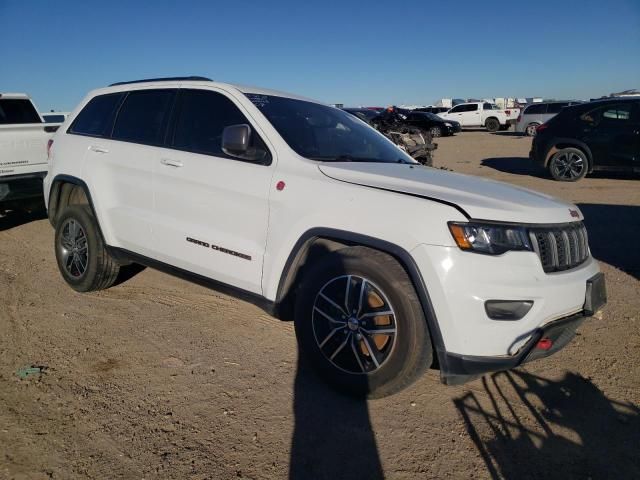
(481, 114)
(23, 150)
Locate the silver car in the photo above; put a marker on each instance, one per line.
(536, 114)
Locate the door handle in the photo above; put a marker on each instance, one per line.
(171, 163)
(97, 149)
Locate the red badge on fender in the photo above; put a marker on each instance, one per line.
(574, 213)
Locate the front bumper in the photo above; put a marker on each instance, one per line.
(545, 341)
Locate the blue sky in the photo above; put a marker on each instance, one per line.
(357, 53)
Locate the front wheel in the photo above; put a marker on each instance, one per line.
(360, 324)
(435, 131)
(568, 165)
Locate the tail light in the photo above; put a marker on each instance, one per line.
(508, 112)
(519, 117)
(49, 145)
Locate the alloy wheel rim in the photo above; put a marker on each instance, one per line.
(354, 324)
(435, 132)
(531, 130)
(568, 165)
(74, 248)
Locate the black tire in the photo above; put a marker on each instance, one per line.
(435, 131)
(530, 130)
(492, 124)
(568, 165)
(401, 362)
(100, 269)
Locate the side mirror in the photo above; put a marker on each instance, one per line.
(236, 142)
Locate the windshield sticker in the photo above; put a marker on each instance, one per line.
(258, 100)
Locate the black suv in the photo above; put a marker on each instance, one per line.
(600, 135)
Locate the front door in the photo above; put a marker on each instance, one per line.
(471, 116)
(211, 210)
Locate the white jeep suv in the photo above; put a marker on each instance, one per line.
(387, 267)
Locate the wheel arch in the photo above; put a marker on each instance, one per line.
(68, 190)
(561, 143)
(331, 240)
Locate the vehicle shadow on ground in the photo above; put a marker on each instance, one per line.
(333, 438)
(507, 133)
(515, 165)
(16, 218)
(556, 429)
(610, 229)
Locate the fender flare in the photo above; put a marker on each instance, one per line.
(400, 254)
(54, 197)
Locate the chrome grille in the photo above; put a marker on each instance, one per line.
(560, 247)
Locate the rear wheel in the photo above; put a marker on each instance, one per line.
(82, 258)
(492, 124)
(568, 165)
(360, 324)
(530, 131)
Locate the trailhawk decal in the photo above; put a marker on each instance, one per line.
(219, 249)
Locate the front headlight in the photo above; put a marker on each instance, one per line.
(448, 124)
(493, 239)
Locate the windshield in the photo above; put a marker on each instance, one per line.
(324, 133)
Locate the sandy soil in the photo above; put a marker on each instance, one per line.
(160, 378)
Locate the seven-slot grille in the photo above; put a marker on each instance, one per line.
(561, 247)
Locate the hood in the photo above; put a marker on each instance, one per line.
(478, 197)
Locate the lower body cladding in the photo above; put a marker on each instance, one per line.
(537, 315)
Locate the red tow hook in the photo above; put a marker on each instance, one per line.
(544, 344)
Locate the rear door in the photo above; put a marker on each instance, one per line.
(119, 167)
(611, 132)
(211, 209)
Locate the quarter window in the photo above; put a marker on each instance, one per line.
(97, 116)
(143, 116)
(556, 107)
(536, 109)
(202, 117)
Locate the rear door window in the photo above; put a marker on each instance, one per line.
(143, 116)
(608, 115)
(17, 111)
(96, 117)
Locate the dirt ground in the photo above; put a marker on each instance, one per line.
(160, 378)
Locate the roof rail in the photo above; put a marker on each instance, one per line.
(163, 79)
